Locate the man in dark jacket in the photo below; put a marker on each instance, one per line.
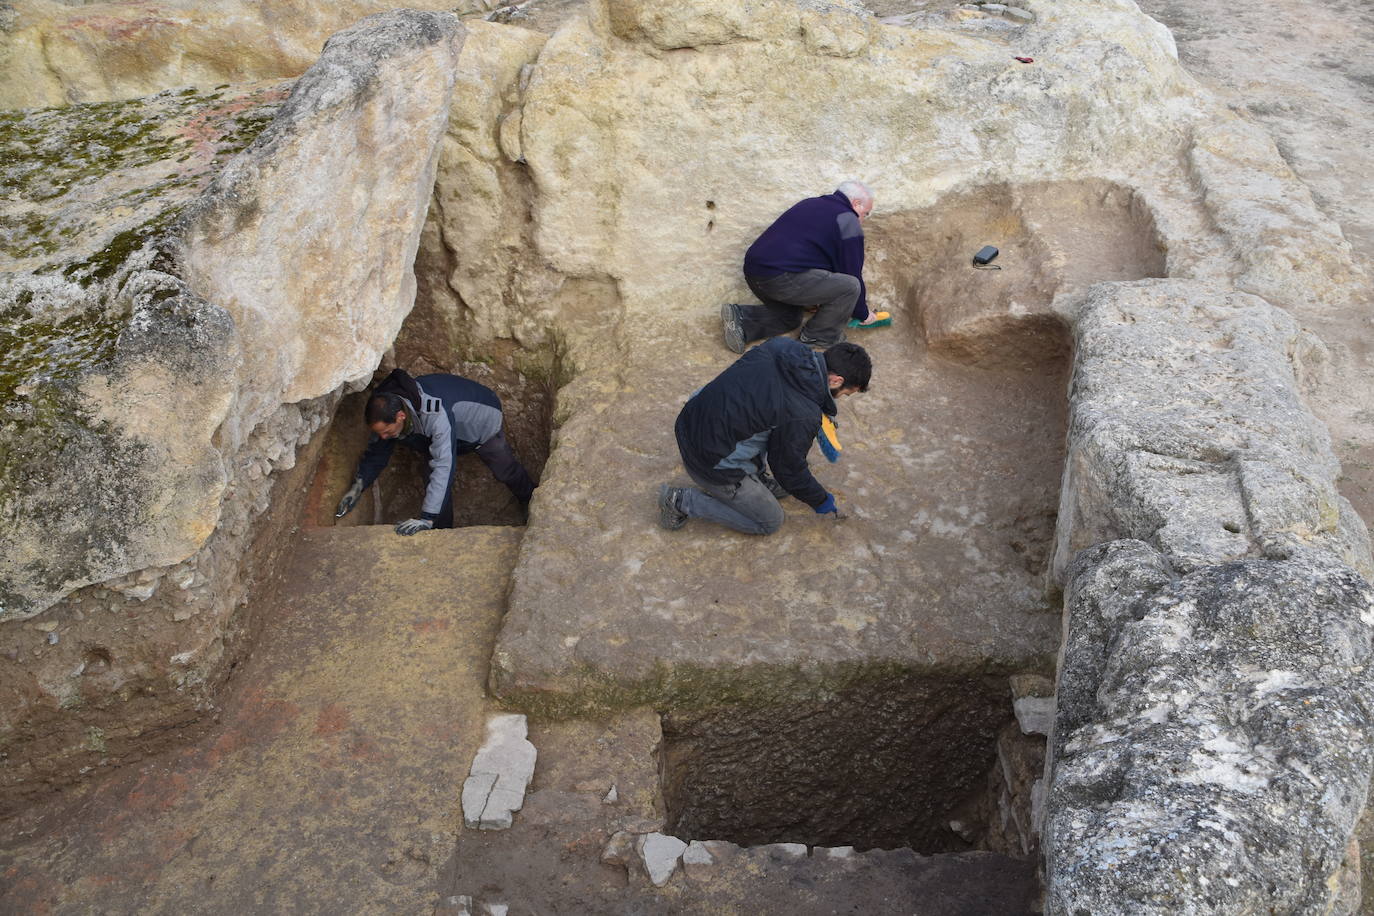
(812, 255)
(764, 409)
(443, 416)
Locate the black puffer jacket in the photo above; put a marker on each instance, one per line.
(778, 387)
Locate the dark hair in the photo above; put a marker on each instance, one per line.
(382, 408)
(851, 363)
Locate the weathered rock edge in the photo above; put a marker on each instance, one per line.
(54, 53)
(235, 311)
(1215, 720)
(276, 288)
(1215, 735)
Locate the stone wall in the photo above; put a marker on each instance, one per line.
(1212, 745)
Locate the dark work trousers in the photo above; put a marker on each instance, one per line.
(496, 454)
(505, 467)
(786, 296)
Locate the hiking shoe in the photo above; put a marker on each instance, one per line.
(773, 487)
(734, 331)
(670, 517)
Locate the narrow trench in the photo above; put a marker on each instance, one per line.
(479, 499)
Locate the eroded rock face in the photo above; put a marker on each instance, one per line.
(1211, 745)
(179, 355)
(1188, 430)
(1214, 742)
(104, 340)
(55, 53)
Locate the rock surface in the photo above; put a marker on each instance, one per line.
(54, 53)
(1218, 756)
(1211, 744)
(646, 170)
(1187, 429)
(180, 354)
(329, 782)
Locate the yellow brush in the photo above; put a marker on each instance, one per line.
(829, 441)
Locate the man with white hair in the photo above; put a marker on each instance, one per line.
(812, 255)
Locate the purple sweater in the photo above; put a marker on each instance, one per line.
(820, 233)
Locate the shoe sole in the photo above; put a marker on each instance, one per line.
(669, 518)
(734, 334)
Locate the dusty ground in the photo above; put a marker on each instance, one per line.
(330, 783)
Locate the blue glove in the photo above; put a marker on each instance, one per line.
(415, 525)
(828, 506)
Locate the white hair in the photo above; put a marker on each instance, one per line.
(856, 191)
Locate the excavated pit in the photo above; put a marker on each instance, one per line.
(886, 764)
(430, 341)
(479, 499)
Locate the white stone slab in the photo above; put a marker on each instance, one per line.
(660, 854)
(501, 772)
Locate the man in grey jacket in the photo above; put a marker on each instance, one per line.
(442, 416)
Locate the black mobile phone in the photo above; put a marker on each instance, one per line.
(985, 254)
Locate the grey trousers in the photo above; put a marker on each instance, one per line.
(746, 506)
(785, 296)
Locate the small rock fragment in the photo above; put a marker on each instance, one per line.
(1035, 715)
(620, 849)
(501, 771)
(785, 850)
(660, 854)
(612, 796)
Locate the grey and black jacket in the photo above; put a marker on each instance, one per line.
(768, 404)
(449, 416)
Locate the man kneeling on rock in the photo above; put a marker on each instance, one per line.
(443, 416)
(767, 407)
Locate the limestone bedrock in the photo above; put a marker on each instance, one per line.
(708, 147)
(1213, 746)
(55, 53)
(219, 309)
(181, 315)
(1187, 430)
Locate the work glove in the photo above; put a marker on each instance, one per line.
(414, 526)
(350, 499)
(829, 508)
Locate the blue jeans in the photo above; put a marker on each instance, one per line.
(746, 506)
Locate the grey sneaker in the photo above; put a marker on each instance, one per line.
(669, 515)
(734, 331)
